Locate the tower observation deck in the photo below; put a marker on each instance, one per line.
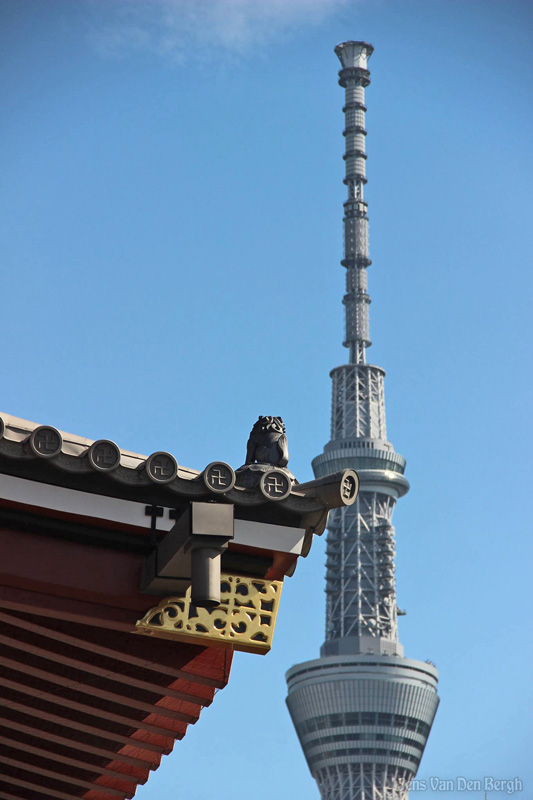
(362, 711)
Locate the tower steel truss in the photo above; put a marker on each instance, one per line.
(362, 711)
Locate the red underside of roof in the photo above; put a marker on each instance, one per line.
(88, 706)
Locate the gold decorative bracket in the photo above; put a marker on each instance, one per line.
(244, 620)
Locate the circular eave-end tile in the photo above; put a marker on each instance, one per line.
(219, 477)
(349, 487)
(275, 485)
(161, 467)
(45, 442)
(104, 455)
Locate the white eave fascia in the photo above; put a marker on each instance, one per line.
(94, 507)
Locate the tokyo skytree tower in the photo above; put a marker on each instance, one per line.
(362, 711)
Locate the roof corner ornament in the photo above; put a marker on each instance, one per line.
(267, 456)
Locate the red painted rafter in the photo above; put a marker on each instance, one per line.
(56, 608)
(94, 691)
(33, 770)
(46, 792)
(14, 744)
(112, 674)
(74, 744)
(79, 611)
(9, 796)
(120, 719)
(101, 733)
(68, 642)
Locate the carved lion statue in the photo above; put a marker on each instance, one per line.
(267, 443)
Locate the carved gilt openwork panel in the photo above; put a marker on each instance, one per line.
(245, 618)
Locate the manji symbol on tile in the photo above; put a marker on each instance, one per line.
(245, 618)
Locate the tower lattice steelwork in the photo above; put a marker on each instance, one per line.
(362, 711)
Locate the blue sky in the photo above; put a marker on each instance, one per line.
(171, 204)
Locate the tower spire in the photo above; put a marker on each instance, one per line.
(354, 77)
(362, 711)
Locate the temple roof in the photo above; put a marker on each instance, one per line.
(88, 704)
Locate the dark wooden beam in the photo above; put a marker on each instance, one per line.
(109, 534)
(59, 776)
(15, 598)
(74, 744)
(101, 733)
(114, 674)
(78, 571)
(41, 606)
(100, 713)
(9, 796)
(94, 691)
(14, 744)
(46, 793)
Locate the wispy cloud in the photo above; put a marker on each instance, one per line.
(204, 28)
